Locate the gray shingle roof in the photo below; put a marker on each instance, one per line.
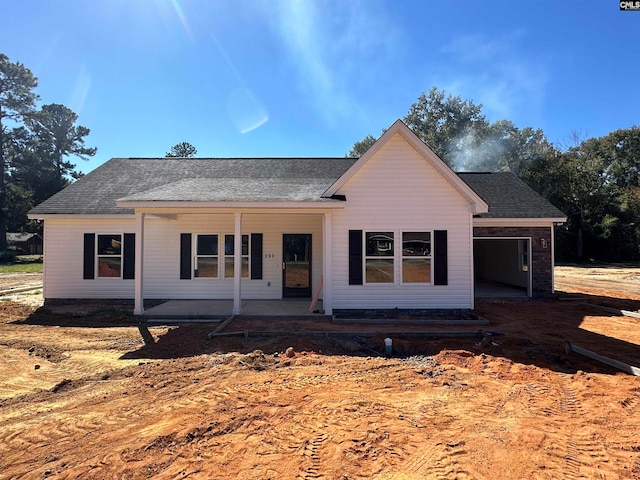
(508, 196)
(236, 189)
(254, 179)
(195, 179)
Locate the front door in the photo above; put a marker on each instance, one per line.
(296, 265)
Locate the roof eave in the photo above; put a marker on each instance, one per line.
(299, 204)
(79, 216)
(517, 221)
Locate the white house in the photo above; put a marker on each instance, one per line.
(396, 228)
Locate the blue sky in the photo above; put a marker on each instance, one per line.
(289, 78)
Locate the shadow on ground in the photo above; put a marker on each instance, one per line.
(85, 316)
(524, 331)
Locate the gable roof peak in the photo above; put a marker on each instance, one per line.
(478, 205)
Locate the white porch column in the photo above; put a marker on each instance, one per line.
(237, 264)
(327, 261)
(138, 295)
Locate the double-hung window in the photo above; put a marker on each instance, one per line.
(229, 249)
(379, 257)
(206, 258)
(416, 257)
(110, 256)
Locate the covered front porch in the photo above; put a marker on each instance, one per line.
(254, 260)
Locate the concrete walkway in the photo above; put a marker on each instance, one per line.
(493, 290)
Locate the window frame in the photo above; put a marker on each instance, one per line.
(397, 256)
(197, 255)
(99, 255)
(367, 256)
(231, 256)
(428, 256)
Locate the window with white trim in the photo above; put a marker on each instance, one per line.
(416, 257)
(206, 257)
(379, 257)
(109, 253)
(229, 262)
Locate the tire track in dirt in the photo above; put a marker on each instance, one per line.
(440, 462)
(334, 420)
(631, 402)
(570, 407)
(311, 458)
(585, 453)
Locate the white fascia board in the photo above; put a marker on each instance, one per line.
(83, 216)
(517, 222)
(235, 205)
(169, 214)
(478, 205)
(197, 206)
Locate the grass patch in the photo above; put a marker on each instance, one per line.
(32, 267)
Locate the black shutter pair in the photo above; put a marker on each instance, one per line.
(356, 257)
(255, 254)
(128, 256)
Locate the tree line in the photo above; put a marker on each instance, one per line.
(35, 144)
(594, 181)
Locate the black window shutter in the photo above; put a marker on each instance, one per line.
(440, 260)
(185, 256)
(256, 256)
(89, 263)
(355, 257)
(129, 257)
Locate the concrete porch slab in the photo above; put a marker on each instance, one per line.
(217, 310)
(493, 290)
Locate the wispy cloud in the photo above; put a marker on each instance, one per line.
(81, 90)
(336, 49)
(497, 72)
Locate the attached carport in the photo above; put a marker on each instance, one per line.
(514, 241)
(502, 267)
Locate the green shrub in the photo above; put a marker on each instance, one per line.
(8, 256)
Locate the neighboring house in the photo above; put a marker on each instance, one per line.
(396, 228)
(25, 243)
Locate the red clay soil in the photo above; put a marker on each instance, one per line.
(83, 397)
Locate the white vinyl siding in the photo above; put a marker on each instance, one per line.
(64, 259)
(398, 190)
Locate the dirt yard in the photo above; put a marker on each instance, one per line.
(81, 396)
